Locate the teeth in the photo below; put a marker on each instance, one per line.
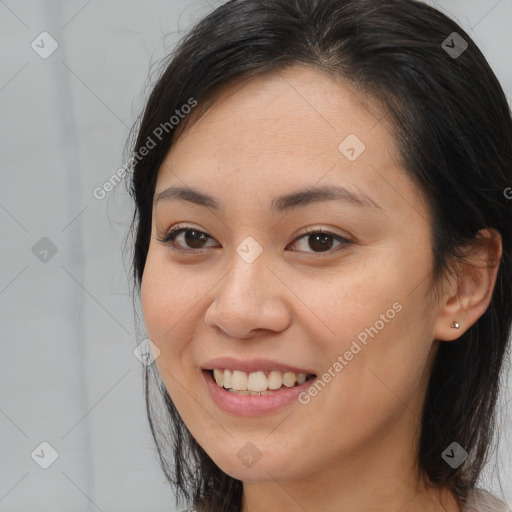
(227, 378)
(239, 381)
(253, 393)
(289, 379)
(256, 383)
(218, 375)
(301, 378)
(275, 381)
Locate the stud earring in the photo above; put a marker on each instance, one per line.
(455, 325)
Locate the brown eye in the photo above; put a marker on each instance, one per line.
(193, 239)
(322, 241)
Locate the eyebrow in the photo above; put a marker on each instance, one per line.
(282, 203)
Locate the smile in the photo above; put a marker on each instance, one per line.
(257, 383)
(246, 402)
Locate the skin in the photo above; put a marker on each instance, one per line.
(353, 447)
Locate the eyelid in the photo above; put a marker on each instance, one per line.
(345, 241)
(177, 230)
(182, 227)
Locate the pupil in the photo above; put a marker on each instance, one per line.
(192, 240)
(321, 238)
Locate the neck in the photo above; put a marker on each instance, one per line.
(379, 476)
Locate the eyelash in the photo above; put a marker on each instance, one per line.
(170, 236)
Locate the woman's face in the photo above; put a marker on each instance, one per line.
(253, 285)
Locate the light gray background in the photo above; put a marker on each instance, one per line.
(67, 369)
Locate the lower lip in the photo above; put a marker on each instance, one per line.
(250, 405)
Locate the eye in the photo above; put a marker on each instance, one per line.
(320, 241)
(192, 236)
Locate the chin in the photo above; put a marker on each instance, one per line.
(263, 466)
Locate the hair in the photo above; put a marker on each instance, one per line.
(453, 127)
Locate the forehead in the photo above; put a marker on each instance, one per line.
(292, 128)
(297, 107)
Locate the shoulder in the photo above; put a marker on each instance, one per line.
(480, 500)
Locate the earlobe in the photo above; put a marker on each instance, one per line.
(465, 301)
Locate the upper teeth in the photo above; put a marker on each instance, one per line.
(256, 381)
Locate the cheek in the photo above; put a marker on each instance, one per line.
(376, 384)
(164, 303)
(153, 299)
(382, 332)
(169, 321)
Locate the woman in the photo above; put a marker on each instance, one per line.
(323, 255)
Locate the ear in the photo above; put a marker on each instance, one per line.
(467, 296)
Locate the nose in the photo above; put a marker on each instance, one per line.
(249, 299)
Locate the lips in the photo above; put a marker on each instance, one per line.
(270, 401)
(244, 403)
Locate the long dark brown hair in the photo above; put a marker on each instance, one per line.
(453, 124)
